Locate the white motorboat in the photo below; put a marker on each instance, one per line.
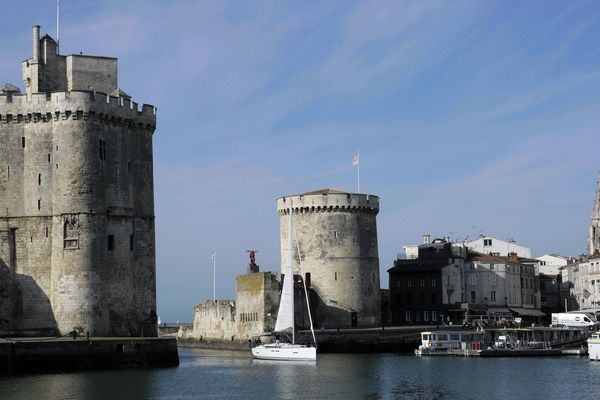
(285, 316)
(594, 346)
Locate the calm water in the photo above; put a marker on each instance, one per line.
(212, 374)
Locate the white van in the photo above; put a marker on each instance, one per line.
(574, 319)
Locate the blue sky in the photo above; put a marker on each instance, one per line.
(470, 116)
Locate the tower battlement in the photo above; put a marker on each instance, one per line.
(40, 107)
(328, 200)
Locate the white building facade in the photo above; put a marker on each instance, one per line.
(498, 247)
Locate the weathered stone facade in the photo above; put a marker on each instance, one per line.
(337, 236)
(76, 199)
(252, 314)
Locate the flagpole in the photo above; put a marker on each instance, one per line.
(358, 171)
(58, 23)
(214, 276)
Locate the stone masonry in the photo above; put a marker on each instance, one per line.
(76, 200)
(337, 236)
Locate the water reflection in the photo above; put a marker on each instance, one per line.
(211, 374)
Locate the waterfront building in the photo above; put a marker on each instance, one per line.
(498, 247)
(76, 192)
(580, 284)
(416, 285)
(465, 285)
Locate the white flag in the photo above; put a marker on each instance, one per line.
(356, 160)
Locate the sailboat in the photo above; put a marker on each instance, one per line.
(285, 317)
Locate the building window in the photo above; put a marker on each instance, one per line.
(102, 149)
(434, 316)
(39, 204)
(433, 282)
(433, 298)
(111, 242)
(130, 242)
(422, 282)
(48, 157)
(408, 298)
(492, 267)
(425, 315)
(493, 279)
(493, 296)
(39, 179)
(422, 298)
(335, 277)
(335, 234)
(417, 316)
(409, 282)
(487, 242)
(407, 316)
(473, 297)
(46, 231)
(23, 142)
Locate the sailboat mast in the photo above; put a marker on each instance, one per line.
(305, 292)
(289, 270)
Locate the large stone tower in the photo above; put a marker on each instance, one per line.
(76, 198)
(337, 235)
(594, 236)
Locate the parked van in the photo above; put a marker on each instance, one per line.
(574, 319)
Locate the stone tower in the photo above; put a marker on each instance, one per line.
(337, 235)
(594, 236)
(76, 198)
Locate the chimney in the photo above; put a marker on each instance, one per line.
(36, 42)
(426, 238)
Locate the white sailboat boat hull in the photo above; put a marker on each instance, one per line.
(285, 352)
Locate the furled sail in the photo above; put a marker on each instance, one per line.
(285, 316)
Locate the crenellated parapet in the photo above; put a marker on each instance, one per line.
(74, 105)
(328, 201)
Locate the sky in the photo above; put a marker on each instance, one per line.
(471, 117)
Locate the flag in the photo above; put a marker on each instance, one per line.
(356, 160)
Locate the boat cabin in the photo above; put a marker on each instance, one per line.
(447, 340)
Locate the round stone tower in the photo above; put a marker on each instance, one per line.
(337, 235)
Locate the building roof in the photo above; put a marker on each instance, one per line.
(9, 88)
(326, 191)
(120, 93)
(47, 37)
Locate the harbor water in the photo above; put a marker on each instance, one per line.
(214, 374)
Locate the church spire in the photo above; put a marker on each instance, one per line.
(594, 236)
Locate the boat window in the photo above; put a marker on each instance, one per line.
(586, 319)
(454, 337)
(426, 337)
(442, 337)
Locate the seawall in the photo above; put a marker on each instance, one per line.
(63, 354)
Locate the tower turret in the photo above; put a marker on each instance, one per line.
(337, 236)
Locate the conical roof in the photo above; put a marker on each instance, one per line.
(9, 88)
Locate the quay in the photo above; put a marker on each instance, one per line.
(44, 354)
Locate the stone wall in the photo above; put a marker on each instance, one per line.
(252, 314)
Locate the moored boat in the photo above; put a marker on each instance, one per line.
(443, 342)
(594, 346)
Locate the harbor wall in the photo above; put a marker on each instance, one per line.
(43, 355)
